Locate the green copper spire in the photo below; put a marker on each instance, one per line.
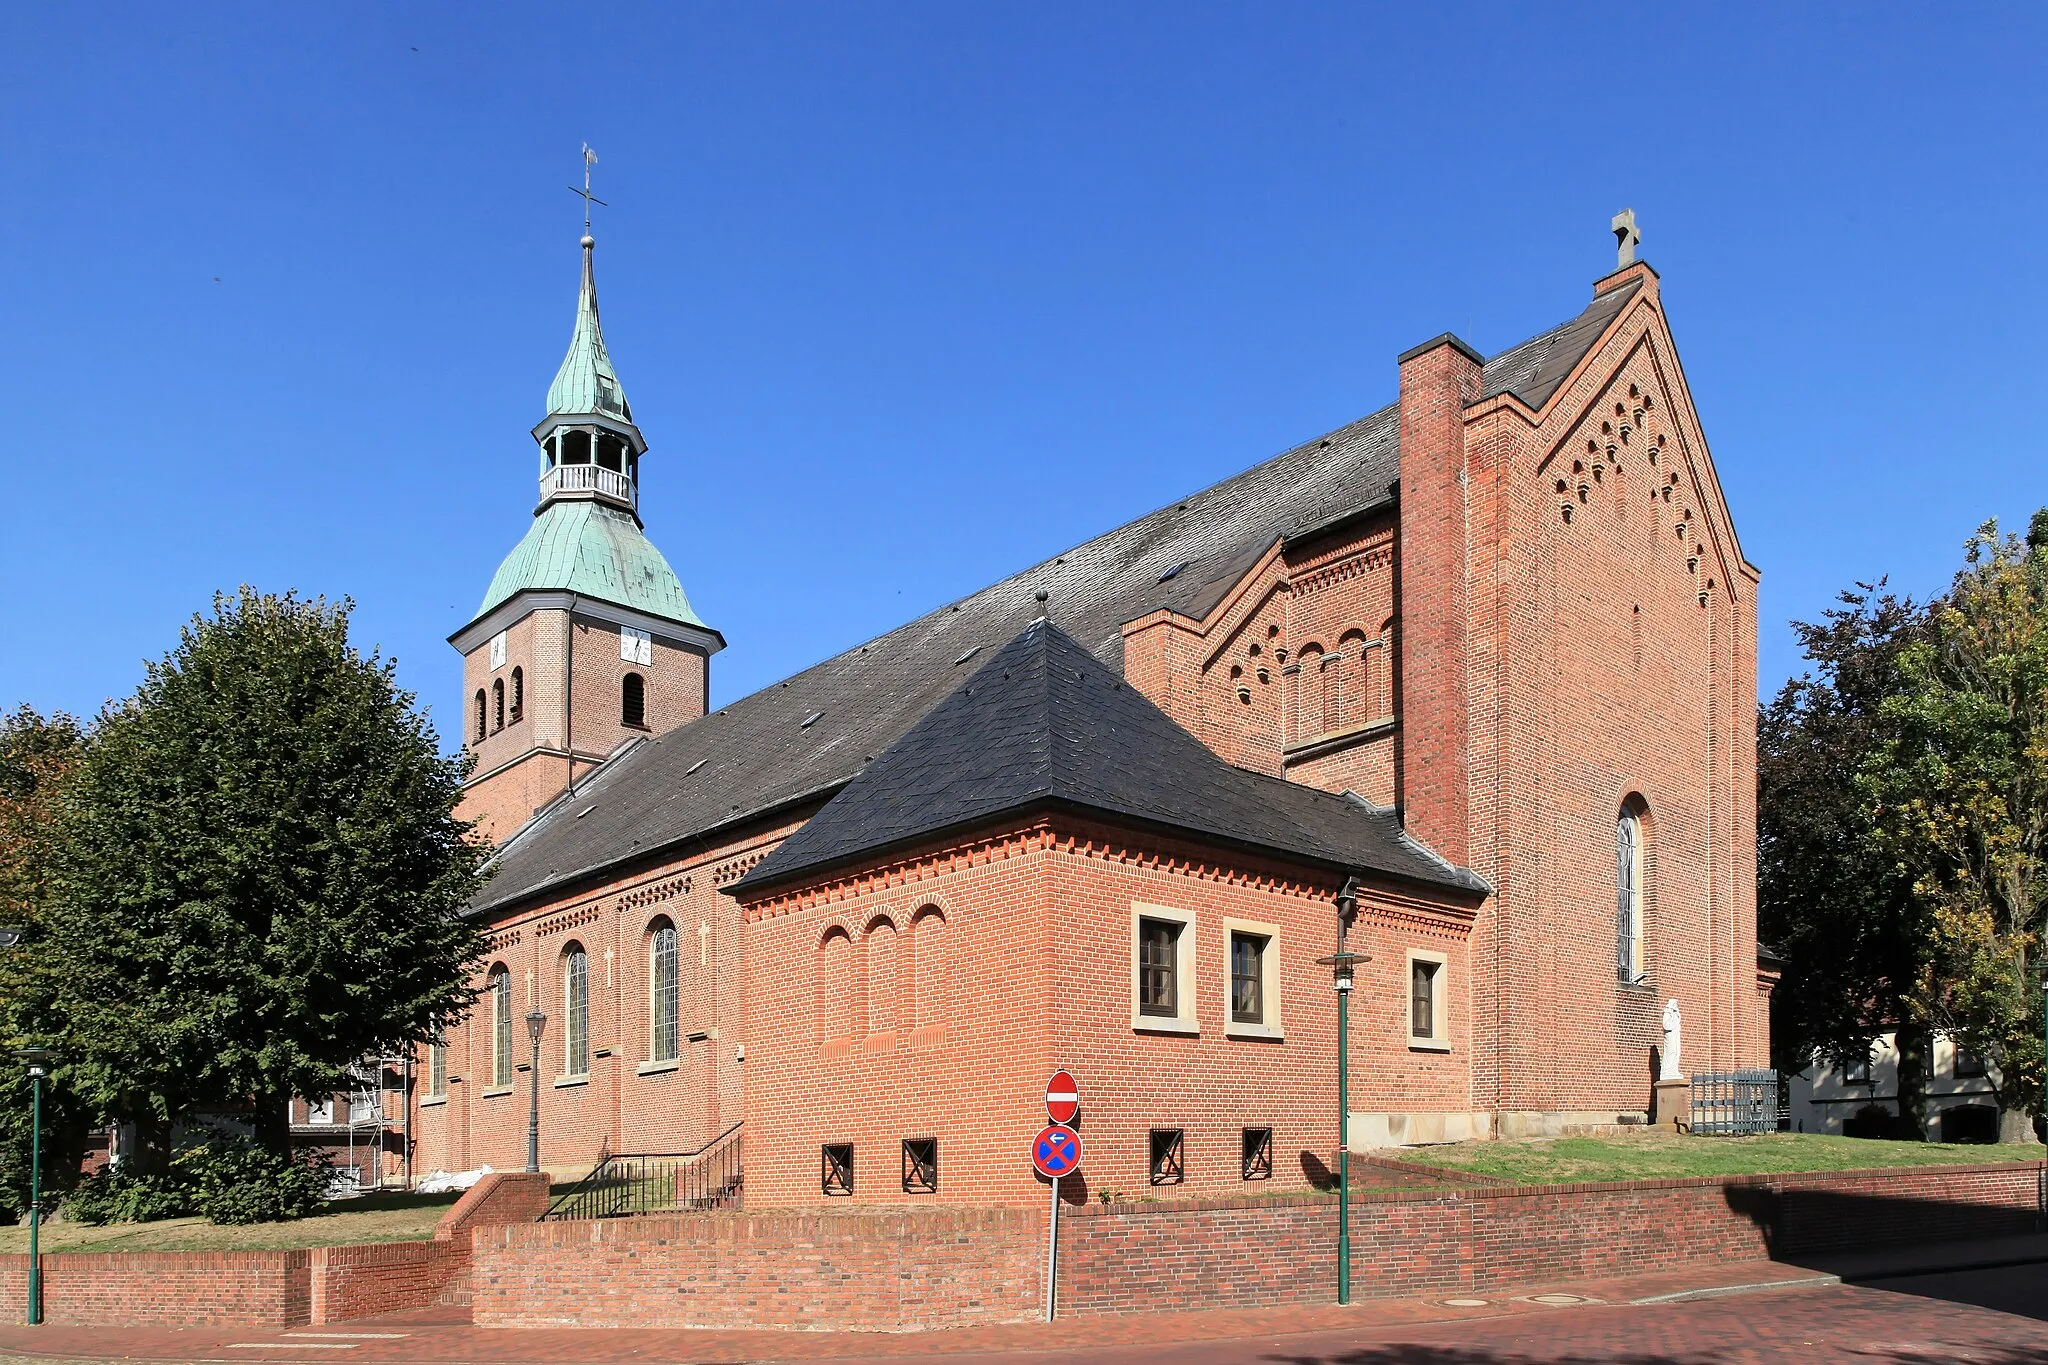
(586, 383)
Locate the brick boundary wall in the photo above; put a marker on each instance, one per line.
(347, 1283)
(499, 1198)
(1255, 1252)
(872, 1269)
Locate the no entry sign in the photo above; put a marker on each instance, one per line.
(1056, 1152)
(1062, 1098)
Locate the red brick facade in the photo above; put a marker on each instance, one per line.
(1548, 621)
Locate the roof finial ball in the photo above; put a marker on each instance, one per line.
(1626, 238)
(588, 241)
(1039, 597)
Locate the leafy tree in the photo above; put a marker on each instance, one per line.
(1839, 910)
(37, 756)
(260, 877)
(1959, 797)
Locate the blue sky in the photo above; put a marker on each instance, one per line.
(910, 296)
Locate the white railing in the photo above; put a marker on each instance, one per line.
(587, 478)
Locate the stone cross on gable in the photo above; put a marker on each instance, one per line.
(1626, 238)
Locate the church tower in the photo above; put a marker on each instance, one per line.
(584, 641)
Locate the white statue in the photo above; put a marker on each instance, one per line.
(1668, 1070)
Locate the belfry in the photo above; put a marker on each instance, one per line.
(585, 641)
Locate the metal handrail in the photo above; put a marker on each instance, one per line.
(635, 1184)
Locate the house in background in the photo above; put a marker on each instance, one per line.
(362, 1130)
(1863, 1101)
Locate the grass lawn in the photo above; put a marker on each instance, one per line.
(1663, 1155)
(374, 1218)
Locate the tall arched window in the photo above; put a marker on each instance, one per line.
(501, 1027)
(518, 695)
(1309, 720)
(482, 717)
(576, 1011)
(633, 701)
(497, 705)
(437, 1066)
(1350, 670)
(665, 979)
(1628, 893)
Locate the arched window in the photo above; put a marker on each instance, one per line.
(518, 695)
(665, 980)
(1628, 892)
(481, 716)
(929, 967)
(1309, 721)
(501, 1026)
(835, 986)
(880, 962)
(1350, 680)
(576, 1011)
(497, 705)
(1383, 672)
(437, 1066)
(633, 701)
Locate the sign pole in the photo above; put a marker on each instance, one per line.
(1052, 1252)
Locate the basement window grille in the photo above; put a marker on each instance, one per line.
(920, 1165)
(1258, 1154)
(835, 1174)
(1168, 1167)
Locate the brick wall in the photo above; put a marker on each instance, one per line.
(1242, 1252)
(873, 1270)
(182, 1289)
(346, 1283)
(499, 1198)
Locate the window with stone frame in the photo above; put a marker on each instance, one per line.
(1159, 968)
(665, 976)
(1248, 977)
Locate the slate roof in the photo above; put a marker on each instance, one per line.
(1046, 723)
(755, 756)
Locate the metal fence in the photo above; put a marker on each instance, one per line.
(1734, 1102)
(633, 1184)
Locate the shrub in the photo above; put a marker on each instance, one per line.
(118, 1195)
(234, 1179)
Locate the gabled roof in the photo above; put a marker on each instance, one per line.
(758, 755)
(593, 550)
(1045, 724)
(586, 383)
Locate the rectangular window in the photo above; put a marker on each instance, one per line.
(835, 1167)
(1248, 978)
(1258, 1154)
(1969, 1066)
(1426, 1022)
(320, 1111)
(1167, 1165)
(1159, 968)
(920, 1165)
(1857, 1073)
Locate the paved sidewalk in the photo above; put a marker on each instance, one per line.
(444, 1337)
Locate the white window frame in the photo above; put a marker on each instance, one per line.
(1268, 1026)
(1439, 1037)
(320, 1113)
(1186, 983)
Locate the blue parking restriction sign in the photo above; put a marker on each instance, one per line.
(1056, 1152)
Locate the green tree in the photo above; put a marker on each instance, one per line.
(37, 756)
(1841, 912)
(260, 876)
(1959, 797)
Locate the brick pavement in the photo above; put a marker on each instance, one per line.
(1755, 1312)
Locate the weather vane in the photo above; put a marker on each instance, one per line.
(589, 160)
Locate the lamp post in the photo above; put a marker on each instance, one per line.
(536, 1024)
(1342, 965)
(38, 1061)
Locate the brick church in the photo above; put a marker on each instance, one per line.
(1466, 687)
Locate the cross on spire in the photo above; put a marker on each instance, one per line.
(1626, 237)
(589, 160)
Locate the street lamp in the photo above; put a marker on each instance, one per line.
(1342, 965)
(536, 1024)
(38, 1060)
